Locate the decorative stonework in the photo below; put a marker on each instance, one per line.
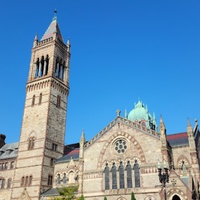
(177, 192)
(114, 140)
(120, 145)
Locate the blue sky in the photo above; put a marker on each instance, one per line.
(120, 51)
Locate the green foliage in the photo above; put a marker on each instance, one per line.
(133, 196)
(105, 198)
(81, 197)
(67, 193)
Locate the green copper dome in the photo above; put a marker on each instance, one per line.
(141, 114)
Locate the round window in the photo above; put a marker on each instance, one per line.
(120, 146)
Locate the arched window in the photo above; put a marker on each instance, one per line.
(64, 179)
(106, 171)
(33, 100)
(50, 180)
(58, 101)
(31, 143)
(2, 183)
(71, 177)
(121, 176)
(47, 65)
(137, 174)
(6, 165)
(40, 98)
(9, 183)
(37, 68)
(58, 179)
(51, 162)
(57, 67)
(22, 181)
(129, 175)
(12, 165)
(176, 197)
(42, 66)
(30, 180)
(114, 176)
(26, 182)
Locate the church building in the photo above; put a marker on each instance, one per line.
(131, 155)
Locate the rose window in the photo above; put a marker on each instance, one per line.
(120, 146)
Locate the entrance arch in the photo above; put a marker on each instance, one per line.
(176, 197)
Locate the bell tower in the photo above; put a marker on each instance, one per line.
(44, 120)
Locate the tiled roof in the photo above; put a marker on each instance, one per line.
(9, 151)
(70, 152)
(53, 28)
(178, 139)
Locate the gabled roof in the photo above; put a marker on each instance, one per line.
(178, 139)
(53, 28)
(9, 151)
(71, 152)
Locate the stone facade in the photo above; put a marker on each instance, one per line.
(120, 159)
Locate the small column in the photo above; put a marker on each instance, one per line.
(117, 177)
(45, 67)
(39, 70)
(125, 178)
(110, 179)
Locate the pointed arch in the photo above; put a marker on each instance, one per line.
(121, 175)
(176, 197)
(112, 138)
(137, 174)
(129, 175)
(107, 178)
(114, 176)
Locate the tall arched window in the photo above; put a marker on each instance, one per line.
(129, 175)
(58, 101)
(12, 165)
(22, 181)
(37, 68)
(56, 67)
(107, 187)
(47, 65)
(31, 143)
(2, 183)
(50, 180)
(64, 178)
(40, 98)
(114, 176)
(26, 181)
(9, 183)
(30, 180)
(33, 100)
(121, 176)
(42, 66)
(58, 179)
(137, 174)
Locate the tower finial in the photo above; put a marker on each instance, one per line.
(55, 14)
